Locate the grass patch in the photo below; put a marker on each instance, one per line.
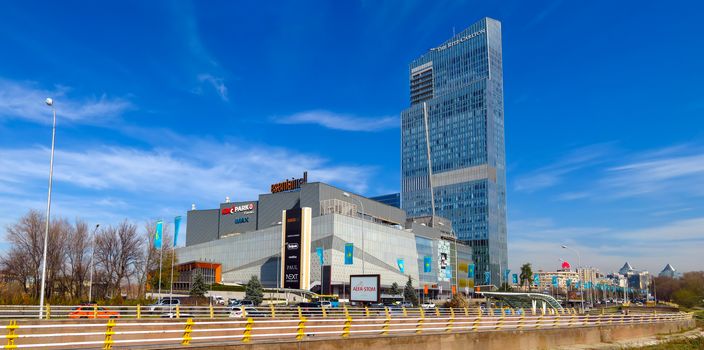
(679, 344)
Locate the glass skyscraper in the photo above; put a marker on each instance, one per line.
(452, 140)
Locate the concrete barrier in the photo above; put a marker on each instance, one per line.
(493, 340)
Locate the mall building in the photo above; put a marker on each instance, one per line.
(324, 235)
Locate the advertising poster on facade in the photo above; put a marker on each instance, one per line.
(295, 265)
(365, 288)
(443, 260)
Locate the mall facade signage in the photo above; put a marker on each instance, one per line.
(295, 250)
(290, 185)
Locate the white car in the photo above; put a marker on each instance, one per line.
(164, 304)
(428, 305)
(218, 300)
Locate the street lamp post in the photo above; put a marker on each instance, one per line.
(362, 206)
(581, 283)
(92, 253)
(49, 103)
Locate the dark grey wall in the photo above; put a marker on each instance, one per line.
(228, 223)
(271, 205)
(202, 226)
(267, 211)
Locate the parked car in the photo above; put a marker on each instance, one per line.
(89, 311)
(406, 304)
(248, 312)
(218, 300)
(173, 315)
(164, 304)
(246, 302)
(428, 305)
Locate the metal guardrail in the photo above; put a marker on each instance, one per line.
(282, 327)
(15, 312)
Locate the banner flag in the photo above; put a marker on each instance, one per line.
(425, 289)
(554, 281)
(470, 271)
(536, 279)
(158, 234)
(427, 263)
(349, 253)
(320, 251)
(515, 278)
(177, 225)
(401, 266)
(506, 274)
(487, 277)
(569, 283)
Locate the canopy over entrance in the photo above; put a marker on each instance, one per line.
(524, 300)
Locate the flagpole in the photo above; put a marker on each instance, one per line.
(161, 256)
(177, 222)
(171, 289)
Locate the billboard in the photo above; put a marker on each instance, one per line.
(443, 260)
(238, 217)
(365, 288)
(295, 250)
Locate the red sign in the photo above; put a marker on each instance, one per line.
(237, 208)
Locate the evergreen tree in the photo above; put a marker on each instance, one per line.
(254, 291)
(198, 287)
(394, 290)
(409, 293)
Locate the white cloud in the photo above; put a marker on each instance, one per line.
(677, 173)
(339, 121)
(217, 83)
(650, 248)
(130, 182)
(24, 100)
(555, 173)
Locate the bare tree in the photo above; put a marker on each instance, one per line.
(24, 259)
(77, 264)
(117, 252)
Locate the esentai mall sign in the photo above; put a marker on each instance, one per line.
(290, 185)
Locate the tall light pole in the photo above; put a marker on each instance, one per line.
(362, 206)
(579, 264)
(92, 254)
(49, 102)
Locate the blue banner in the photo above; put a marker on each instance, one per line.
(349, 253)
(427, 264)
(470, 271)
(554, 281)
(177, 225)
(448, 272)
(401, 265)
(158, 234)
(515, 278)
(487, 277)
(536, 279)
(320, 251)
(569, 283)
(506, 274)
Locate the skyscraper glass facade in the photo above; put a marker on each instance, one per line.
(452, 139)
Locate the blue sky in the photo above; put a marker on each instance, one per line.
(164, 104)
